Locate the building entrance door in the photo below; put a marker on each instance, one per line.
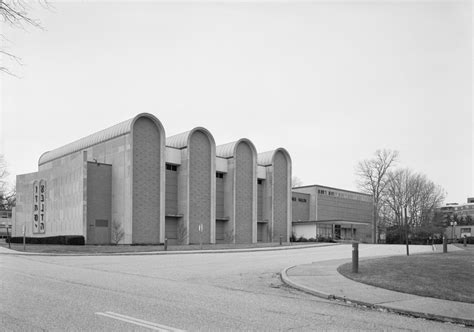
(102, 233)
(261, 232)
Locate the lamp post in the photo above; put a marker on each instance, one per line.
(453, 223)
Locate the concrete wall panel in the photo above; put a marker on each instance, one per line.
(64, 204)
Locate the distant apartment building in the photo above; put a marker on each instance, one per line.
(320, 211)
(182, 188)
(462, 228)
(459, 209)
(5, 223)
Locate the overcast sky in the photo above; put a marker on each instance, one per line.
(330, 82)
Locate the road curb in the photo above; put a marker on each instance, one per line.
(446, 319)
(177, 252)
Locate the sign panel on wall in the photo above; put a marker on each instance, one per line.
(39, 207)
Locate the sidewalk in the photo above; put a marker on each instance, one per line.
(6, 251)
(323, 280)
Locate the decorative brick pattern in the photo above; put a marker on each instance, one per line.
(146, 182)
(200, 187)
(280, 214)
(243, 194)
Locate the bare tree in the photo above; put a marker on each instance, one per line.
(3, 172)
(296, 182)
(372, 179)
(15, 14)
(182, 233)
(7, 191)
(117, 232)
(413, 200)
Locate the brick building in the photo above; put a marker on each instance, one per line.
(320, 211)
(131, 176)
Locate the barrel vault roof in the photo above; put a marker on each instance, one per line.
(119, 129)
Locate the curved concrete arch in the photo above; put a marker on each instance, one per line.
(285, 153)
(240, 198)
(151, 117)
(229, 150)
(245, 192)
(205, 132)
(201, 182)
(279, 210)
(181, 141)
(282, 195)
(268, 158)
(147, 138)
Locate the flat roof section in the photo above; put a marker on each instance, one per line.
(332, 222)
(326, 187)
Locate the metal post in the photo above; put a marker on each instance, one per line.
(24, 240)
(281, 239)
(200, 235)
(9, 239)
(166, 244)
(445, 245)
(355, 257)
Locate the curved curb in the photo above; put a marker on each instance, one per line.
(177, 252)
(446, 319)
(287, 280)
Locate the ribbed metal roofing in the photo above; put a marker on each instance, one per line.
(178, 141)
(266, 158)
(104, 135)
(181, 141)
(228, 150)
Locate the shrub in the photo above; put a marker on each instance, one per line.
(117, 232)
(62, 239)
(293, 237)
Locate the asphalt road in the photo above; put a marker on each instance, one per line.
(220, 291)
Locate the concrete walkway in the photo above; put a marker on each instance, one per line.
(323, 280)
(6, 251)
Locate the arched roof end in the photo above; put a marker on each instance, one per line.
(267, 158)
(181, 141)
(229, 150)
(104, 135)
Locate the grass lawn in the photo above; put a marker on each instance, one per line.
(98, 249)
(445, 276)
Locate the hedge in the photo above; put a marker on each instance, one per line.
(77, 240)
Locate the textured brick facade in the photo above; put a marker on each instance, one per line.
(200, 152)
(146, 182)
(244, 184)
(280, 190)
